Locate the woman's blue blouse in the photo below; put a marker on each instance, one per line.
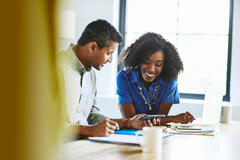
(128, 92)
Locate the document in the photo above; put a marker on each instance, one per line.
(119, 139)
(193, 130)
(123, 137)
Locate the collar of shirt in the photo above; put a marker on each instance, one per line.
(136, 79)
(76, 63)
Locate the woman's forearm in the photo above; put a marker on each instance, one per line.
(167, 119)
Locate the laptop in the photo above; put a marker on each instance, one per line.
(212, 107)
(211, 111)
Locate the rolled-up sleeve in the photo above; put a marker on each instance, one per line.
(123, 88)
(95, 117)
(171, 93)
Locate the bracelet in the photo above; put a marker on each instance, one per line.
(127, 124)
(159, 121)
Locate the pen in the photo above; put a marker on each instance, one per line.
(167, 125)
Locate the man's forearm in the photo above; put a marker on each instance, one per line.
(80, 130)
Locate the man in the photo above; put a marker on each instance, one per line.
(94, 49)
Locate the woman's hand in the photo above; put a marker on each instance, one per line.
(183, 118)
(152, 122)
(135, 123)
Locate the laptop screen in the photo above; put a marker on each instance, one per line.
(212, 105)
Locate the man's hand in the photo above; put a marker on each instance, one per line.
(183, 118)
(103, 129)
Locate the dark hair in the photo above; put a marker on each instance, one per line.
(101, 32)
(145, 46)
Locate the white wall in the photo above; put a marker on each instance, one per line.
(66, 24)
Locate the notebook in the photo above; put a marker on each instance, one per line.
(127, 132)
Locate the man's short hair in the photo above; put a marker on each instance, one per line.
(101, 32)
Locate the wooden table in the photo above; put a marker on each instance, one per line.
(225, 145)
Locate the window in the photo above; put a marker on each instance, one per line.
(200, 29)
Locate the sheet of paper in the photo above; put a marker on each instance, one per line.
(122, 139)
(202, 129)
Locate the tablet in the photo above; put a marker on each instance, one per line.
(152, 116)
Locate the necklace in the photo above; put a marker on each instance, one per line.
(154, 98)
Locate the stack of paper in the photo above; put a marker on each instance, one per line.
(193, 130)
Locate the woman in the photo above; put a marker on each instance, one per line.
(148, 84)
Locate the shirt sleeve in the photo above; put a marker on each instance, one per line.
(171, 93)
(123, 88)
(95, 117)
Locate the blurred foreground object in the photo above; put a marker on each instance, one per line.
(31, 94)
